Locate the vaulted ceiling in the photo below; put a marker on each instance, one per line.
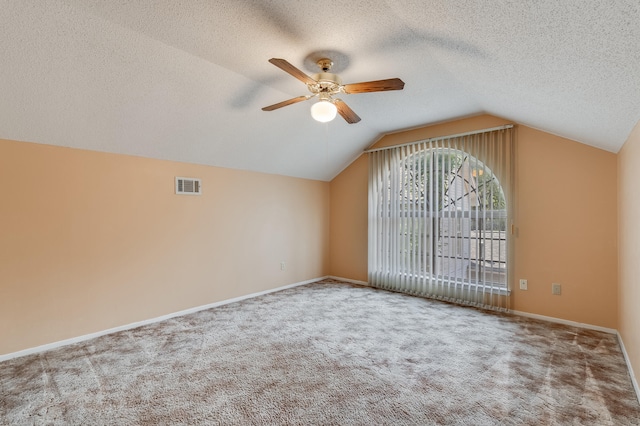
(186, 80)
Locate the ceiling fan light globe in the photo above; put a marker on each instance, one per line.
(323, 111)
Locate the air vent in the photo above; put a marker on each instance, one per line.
(188, 186)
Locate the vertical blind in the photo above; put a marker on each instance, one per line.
(440, 214)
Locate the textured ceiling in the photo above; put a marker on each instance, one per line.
(185, 80)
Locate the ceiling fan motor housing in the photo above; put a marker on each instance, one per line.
(326, 83)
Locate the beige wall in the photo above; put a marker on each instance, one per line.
(91, 241)
(566, 222)
(629, 252)
(349, 222)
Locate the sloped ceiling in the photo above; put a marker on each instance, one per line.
(185, 80)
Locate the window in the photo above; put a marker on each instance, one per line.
(438, 218)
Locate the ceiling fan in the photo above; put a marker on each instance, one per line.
(325, 85)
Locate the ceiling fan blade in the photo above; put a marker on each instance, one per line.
(287, 67)
(374, 86)
(287, 102)
(346, 112)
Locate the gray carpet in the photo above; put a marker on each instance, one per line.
(332, 354)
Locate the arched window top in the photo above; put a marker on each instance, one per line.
(449, 179)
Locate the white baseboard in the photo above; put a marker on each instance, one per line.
(628, 361)
(565, 322)
(90, 336)
(348, 280)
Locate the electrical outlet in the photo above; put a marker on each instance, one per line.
(556, 289)
(523, 284)
(283, 266)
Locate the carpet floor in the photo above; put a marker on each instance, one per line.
(328, 353)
